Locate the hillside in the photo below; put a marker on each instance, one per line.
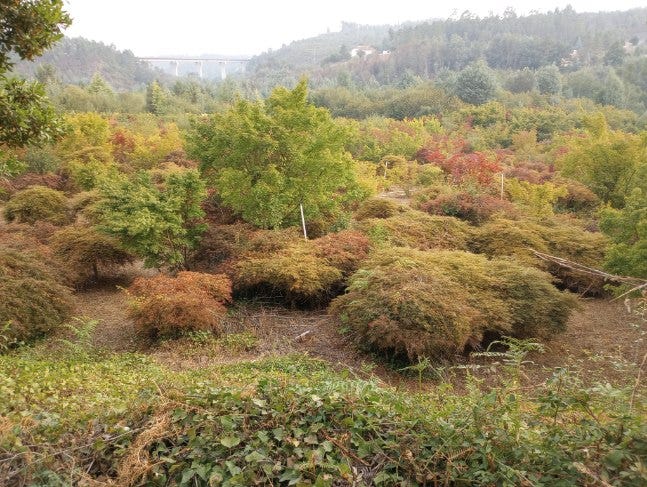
(77, 60)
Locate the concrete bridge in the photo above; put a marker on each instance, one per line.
(175, 62)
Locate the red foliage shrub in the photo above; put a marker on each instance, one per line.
(473, 208)
(474, 166)
(168, 306)
(343, 250)
(123, 144)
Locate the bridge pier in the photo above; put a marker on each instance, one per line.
(174, 64)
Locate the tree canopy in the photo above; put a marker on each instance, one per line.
(265, 158)
(27, 28)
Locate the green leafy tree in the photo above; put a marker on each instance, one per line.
(267, 157)
(475, 84)
(628, 231)
(27, 28)
(157, 99)
(610, 163)
(161, 225)
(549, 81)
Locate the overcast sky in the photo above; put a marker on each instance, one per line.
(154, 27)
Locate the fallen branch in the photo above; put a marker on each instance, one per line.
(569, 264)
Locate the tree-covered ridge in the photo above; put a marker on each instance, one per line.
(78, 60)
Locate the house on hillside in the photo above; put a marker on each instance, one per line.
(362, 51)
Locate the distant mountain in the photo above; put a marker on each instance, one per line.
(76, 60)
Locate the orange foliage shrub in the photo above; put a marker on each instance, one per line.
(343, 250)
(168, 306)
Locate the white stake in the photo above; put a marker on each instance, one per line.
(303, 222)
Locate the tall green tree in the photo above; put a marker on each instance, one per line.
(549, 81)
(475, 84)
(161, 225)
(627, 227)
(265, 158)
(27, 28)
(610, 163)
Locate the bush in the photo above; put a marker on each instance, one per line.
(344, 250)
(37, 203)
(434, 304)
(170, 306)
(578, 197)
(475, 209)
(568, 240)
(33, 302)
(49, 180)
(86, 251)
(418, 230)
(378, 208)
(220, 243)
(294, 275)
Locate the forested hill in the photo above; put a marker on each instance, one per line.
(77, 60)
(564, 38)
(513, 42)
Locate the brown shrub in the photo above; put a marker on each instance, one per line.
(378, 208)
(169, 306)
(88, 253)
(418, 230)
(37, 203)
(475, 209)
(220, 243)
(343, 250)
(48, 180)
(33, 303)
(579, 198)
(434, 304)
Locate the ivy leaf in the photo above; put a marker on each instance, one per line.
(229, 441)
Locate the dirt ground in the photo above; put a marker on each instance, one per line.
(604, 340)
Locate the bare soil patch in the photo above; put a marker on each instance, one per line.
(603, 340)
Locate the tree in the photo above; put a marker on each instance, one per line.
(161, 225)
(475, 84)
(610, 163)
(27, 28)
(267, 157)
(549, 80)
(628, 231)
(86, 252)
(157, 99)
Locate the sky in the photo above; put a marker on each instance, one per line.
(244, 27)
